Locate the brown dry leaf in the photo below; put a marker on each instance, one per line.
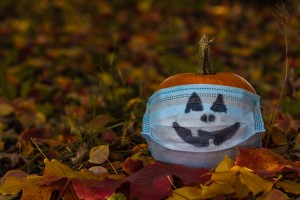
(262, 159)
(80, 154)
(274, 194)
(287, 124)
(297, 142)
(278, 136)
(36, 192)
(97, 170)
(99, 154)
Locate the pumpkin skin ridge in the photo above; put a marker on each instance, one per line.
(221, 78)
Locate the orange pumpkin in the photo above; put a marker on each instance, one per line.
(196, 119)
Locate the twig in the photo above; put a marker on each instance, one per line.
(282, 24)
(34, 142)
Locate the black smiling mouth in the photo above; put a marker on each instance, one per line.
(203, 138)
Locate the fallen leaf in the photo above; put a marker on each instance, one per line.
(80, 154)
(255, 183)
(27, 148)
(185, 193)
(13, 183)
(54, 171)
(225, 165)
(37, 192)
(274, 194)
(214, 190)
(130, 166)
(297, 142)
(6, 109)
(278, 136)
(158, 177)
(264, 162)
(289, 186)
(97, 170)
(224, 177)
(99, 154)
(287, 123)
(118, 196)
(96, 190)
(27, 135)
(137, 161)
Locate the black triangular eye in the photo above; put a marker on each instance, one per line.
(219, 105)
(194, 103)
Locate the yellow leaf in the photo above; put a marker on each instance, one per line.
(289, 187)
(54, 171)
(117, 196)
(27, 148)
(215, 189)
(9, 197)
(274, 194)
(35, 192)
(224, 177)
(6, 109)
(225, 165)
(242, 190)
(255, 183)
(12, 185)
(186, 193)
(99, 154)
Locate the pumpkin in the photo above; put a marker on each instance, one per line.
(195, 119)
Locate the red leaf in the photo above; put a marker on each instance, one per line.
(32, 133)
(265, 162)
(287, 123)
(130, 166)
(150, 182)
(158, 176)
(96, 190)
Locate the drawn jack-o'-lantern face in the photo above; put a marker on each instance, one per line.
(194, 104)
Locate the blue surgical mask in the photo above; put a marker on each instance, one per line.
(198, 124)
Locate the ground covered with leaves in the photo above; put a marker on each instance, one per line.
(75, 77)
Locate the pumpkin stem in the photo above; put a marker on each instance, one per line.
(206, 66)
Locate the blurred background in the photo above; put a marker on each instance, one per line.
(83, 58)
